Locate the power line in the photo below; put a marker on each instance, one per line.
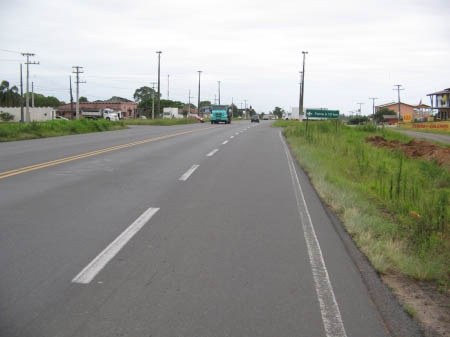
(10, 51)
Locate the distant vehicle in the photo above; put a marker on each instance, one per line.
(221, 114)
(108, 114)
(265, 117)
(172, 113)
(254, 118)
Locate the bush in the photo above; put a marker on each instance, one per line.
(6, 117)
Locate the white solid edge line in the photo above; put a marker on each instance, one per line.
(96, 265)
(225, 142)
(188, 173)
(212, 153)
(331, 315)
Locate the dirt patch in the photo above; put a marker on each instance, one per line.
(419, 149)
(429, 306)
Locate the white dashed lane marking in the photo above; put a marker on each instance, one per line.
(102, 259)
(212, 153)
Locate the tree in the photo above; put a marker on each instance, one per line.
(357, 120)
(235, 110)
(381, 112)
(83, 99)
(45, 101)
(144, 94)
(205, 103)
(278, 112)
(9, 96)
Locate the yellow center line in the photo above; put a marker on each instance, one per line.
(39, 166)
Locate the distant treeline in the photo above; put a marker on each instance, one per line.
(10, 97)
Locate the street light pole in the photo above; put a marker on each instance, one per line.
(218, 82)
(303, 84)
(300, 95)
(153, 99)
(198, 98)
(158, 105)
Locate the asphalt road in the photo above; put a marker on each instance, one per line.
(426, 135)
(195, 230)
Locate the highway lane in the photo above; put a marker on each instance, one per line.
(224, 252)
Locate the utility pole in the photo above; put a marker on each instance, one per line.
(159, 84)
(198, 97)
(153, 100)
(71, 95)
(373, 107)
(32, 94)
(245, 106)
(189, 104)
(360, 104)
(21, 96)
(77, 70)
(398, 95)
(218, 82)
(27, 101)
(303, 84)
(168, 85)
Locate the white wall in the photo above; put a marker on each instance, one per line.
(36, 114)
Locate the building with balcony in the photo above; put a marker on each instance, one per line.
(441, 101)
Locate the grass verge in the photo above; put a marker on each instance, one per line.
(397, 209)
(21, 131)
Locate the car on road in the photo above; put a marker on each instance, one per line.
(254, 118)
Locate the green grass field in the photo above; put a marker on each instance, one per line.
(21, 131)
(397, 209)
(10, 131)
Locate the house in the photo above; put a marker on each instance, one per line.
(408, 112)
(441, 101)
(128, 108)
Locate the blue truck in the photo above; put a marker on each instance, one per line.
(221, 114)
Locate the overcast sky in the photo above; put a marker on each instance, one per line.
(356, 49)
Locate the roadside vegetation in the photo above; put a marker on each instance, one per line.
(20, 131)
(395, 207)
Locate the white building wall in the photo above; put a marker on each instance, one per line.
(36, 114)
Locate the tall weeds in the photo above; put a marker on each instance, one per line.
(415, 194)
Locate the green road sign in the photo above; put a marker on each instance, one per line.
(322, 113)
